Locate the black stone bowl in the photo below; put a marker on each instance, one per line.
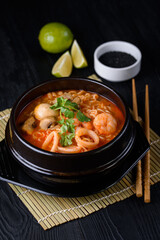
(48, 167)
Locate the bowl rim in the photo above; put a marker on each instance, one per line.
(91, 152)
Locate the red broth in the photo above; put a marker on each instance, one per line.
(95, 121)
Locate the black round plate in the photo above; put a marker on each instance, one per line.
(11, 171)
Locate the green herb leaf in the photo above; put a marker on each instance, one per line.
(69, 137)
(66, 140)
(81, 117)
(64, 128)
(68, 128)
(67, 125)
(60, 103)
(70, 121)
(67, 131)
(67, 113)
(70, 125)
(72, 105)
(62, 140)
(62, 121)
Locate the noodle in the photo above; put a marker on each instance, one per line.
(49, 139)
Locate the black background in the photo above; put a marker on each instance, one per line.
(24, 64)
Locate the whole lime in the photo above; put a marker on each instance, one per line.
(55, 37)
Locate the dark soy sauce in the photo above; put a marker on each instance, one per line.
(117, 59)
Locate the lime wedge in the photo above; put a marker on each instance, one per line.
(78, 58)
(63, 66)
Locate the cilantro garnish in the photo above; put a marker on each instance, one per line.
(68, 108)
(81, 117)
(65, 106)
(67, 125)
(67, 131)
(72, 105)
(66, 139)
(67, 113)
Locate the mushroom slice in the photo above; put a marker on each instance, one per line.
(47, 122)
(43, 110)
(29, 125)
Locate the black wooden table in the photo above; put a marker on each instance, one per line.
(23, 64)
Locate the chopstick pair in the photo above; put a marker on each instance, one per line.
(139, 191)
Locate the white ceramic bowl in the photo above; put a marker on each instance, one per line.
(117, 74)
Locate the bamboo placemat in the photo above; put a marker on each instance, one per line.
(51, 211)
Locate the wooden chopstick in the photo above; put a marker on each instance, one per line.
(139, 164)
(147, 156)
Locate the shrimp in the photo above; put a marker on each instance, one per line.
(105, 123)
(85, 132)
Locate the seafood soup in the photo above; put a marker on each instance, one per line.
(70, 121)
